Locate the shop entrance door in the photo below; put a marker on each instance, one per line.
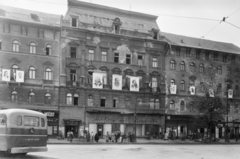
(100, 130)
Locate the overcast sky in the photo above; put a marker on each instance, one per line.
(174, 15)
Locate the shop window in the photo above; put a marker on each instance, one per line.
(14, 97)
(182, 66)
(69, 99)
(74, 22)
(91, 55)
(48, 98)
(32, 48)
(103, 102)
(116, 57)
(104, 56)
(31, 98)
(32, 72)
(90, 100)
(154, 62)
(75, 99)
(73, 52)
(140, 60)
(48, 49)
(172, 105)
(172, 65)
(201, 68)
(128, 59)
(16, 45)
(48, 74)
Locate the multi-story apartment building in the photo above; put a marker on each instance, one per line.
(29, 62)
(192, 62)
(112, 64)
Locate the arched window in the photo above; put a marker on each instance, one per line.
(237, 72)
(69, 99)
(172, 105)
(75, 99)
(90, 100)
(172, 82)
(31, 98)
(228, 71)
(182, 106)
(157, 104)
(14, 97)
(13, 72)
(172, 65)
(32, 48)
(48, 49)
(16, 46)
(182, 85)
(201, 68)
(182, 66)
(32, 72)
(48, 74)
(48, 98)
(192, 67)
(210, 69)
(219, 70)
(152, 103)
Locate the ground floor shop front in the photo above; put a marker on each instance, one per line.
(111, 123)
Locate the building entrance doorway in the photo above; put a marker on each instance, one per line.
(100, 130)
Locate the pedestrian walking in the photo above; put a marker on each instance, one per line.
(107, 137)
(113, 137)
(96, 137)
(88, 136)
(70, 135)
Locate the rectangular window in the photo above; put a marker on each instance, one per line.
(140, 60)
(114, 103)
(74, 22)
(104, 56)
(197, 55)
(75, 100)
(206, 56)
(178, 51)
(154, 62)
(117, 29)
(73, 52)
(91, 55)
(215, 57)
(128, 59)
(73, 75)
(233, 59)
(103, 102)
(116, 57)
(188, 53)
(31, 121)
(154, 83)
(224, 59)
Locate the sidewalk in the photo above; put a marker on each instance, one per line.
(139, 141)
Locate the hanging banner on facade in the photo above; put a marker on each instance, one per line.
(5, 75)
(134, 83)
(211, 93)
(230, 93)
(97, 80)
(192, 90)
(117, 82)
(19, 76)
(173, 89)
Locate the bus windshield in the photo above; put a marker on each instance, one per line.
(31, 121)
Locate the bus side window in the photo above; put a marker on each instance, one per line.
(42, 122)
(19, 121)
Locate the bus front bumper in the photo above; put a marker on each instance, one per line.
(27, 149)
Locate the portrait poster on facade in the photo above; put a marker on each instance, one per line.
(97, 80)
(5, 75)
(19, 76)
(230, 93)
(211, 93)
(117, 82)
(192, 90)
(173, 89)
(134, 83)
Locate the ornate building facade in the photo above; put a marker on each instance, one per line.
(192, 63)
(112, 64)
(29, 62)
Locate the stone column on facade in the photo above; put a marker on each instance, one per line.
(143, 130)
(63, 76)
(123, 128)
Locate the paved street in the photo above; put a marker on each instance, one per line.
(141, 151)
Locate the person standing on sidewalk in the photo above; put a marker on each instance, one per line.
(92, 136)
(107, 137)
(96, 137)
(88, 136)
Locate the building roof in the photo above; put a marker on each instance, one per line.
(24, 15)
(104, 16)
(191, 42)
